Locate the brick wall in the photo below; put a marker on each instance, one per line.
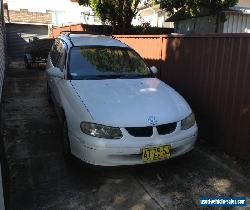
(27, 17)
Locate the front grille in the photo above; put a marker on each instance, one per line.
(140, 131)
(166, 128)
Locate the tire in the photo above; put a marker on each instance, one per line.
(49, 97)
(65, 141)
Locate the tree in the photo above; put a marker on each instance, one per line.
(117, 13)
(195, 7)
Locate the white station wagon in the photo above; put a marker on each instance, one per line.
(113, 109)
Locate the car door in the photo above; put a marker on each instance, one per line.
(61, 50)
(57, 61)
(51, 64)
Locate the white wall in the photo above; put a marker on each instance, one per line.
(244, 3)
(237, 23)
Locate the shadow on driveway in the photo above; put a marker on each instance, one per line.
(38, 177)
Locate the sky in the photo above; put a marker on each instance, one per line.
(41, 6)
(59, 5)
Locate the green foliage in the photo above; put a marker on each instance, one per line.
(146, 29)
(117, 13)
(195, 7)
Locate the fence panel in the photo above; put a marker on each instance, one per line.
(148, 46)
(212, 72)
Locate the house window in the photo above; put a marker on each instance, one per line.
(96, 19)
(5, 6)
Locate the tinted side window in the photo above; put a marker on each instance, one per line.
(58, 54)
(61, 56)
(54, 52)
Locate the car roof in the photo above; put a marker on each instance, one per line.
(90, 40)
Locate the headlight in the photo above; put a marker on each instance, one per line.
(101, 131)
(188, 122)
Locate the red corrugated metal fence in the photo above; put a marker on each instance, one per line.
(213, 73)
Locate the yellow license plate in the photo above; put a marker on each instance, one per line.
(156, 153)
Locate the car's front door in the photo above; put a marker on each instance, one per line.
(58, 58)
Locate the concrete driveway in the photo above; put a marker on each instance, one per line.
(38, 178)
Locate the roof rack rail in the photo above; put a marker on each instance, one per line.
(67, 33)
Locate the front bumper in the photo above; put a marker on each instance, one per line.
(128, 151)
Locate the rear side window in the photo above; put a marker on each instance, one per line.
(54, 53)
(58, 54)
(61, 57)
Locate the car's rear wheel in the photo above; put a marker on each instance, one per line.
(65, 141)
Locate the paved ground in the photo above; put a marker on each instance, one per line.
(38, 177)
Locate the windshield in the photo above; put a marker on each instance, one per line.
(101, 62)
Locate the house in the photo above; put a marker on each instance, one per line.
(233, 20)
(153, 15)
(27, 19)
(243, 3)
(60, 12)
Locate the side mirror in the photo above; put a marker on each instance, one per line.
(154, 70)
(55, 72)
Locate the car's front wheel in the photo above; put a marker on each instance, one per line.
(65, 141)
